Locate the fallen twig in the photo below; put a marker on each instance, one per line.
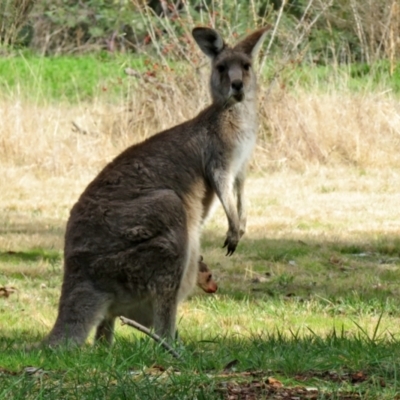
(141, 328)
(77, 128)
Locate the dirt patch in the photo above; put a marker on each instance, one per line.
(255, 386)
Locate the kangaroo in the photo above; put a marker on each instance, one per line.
(205, 279)
(134, 234)
(143, 312)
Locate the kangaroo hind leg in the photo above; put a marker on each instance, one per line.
(80, 309)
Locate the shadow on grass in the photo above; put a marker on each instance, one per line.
(345, 271)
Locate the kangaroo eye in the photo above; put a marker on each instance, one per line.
(220, 68)
(246, 66)
(209, 278)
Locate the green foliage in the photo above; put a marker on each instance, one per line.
(13, 19)
(339, 32)
(67, 26)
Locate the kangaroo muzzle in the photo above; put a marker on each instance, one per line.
(237, 90)
(236, 77)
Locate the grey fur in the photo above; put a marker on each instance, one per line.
(133, 237)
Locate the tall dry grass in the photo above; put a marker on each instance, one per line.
(298, 128)
(63, 139)
(348, 129)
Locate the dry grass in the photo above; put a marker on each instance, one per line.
(299, 129)
(341, 203)
(339, 128)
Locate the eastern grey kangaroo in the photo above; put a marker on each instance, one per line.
(134, 234)
(143, 312)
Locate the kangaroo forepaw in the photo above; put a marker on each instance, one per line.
(231, 243)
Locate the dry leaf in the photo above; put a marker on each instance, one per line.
(358, 377)
(274, 382)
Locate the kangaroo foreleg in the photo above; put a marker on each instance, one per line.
(224, 187)
(240, 202)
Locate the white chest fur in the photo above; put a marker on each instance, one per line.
(246, 136)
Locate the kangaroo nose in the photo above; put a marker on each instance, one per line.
(237, 85)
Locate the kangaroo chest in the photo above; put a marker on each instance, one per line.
(244, 146)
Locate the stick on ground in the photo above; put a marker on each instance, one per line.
(141, 328)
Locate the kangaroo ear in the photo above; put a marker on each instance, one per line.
(252, 43)
(209, 41)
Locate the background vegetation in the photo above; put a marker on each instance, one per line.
(308, 307)
(334, 30)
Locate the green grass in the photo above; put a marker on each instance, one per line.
(359, 78)
(309, 322)
(101, 77)
(67, 78)
(33, 255)
(137, 369)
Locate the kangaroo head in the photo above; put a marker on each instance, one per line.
(232, 78)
